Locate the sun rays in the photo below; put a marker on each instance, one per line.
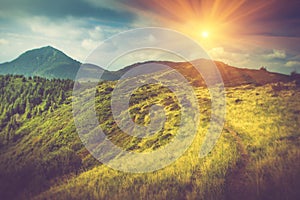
(215, 21)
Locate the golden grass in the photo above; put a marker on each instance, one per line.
(267, 126)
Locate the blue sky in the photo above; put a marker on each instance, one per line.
(241, 33)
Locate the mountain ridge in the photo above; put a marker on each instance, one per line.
(49, 62)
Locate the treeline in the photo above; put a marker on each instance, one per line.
(23, 98)
(38, 140)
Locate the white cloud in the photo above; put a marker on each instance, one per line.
(279, 54)
(292, 64)
(3, 41)
(217, 52)
(232, 58)
(89, 44)
(67, 29)
(96, 33)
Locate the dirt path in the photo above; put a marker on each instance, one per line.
(235, 187)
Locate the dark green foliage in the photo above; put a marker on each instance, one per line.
(23, 98)
(36, 144)
(63, 161)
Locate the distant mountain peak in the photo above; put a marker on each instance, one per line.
(44, 48)
(43, 51)
(49, 47)
(47, 62)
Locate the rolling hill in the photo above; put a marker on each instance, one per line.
(49, 62)
(42, 157)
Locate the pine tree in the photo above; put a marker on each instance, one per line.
(28, 109)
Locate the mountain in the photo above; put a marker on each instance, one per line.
(232, 76)
(45, 62)
(49, 62)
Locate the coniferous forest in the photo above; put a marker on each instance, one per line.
(26, 102)
(23, 98)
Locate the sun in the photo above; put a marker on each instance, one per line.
(205, 34)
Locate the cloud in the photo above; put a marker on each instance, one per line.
(89, 44)
(96, 33)
(3, 41)
(232, 58)
(58, 10)
(277, 54)
(76, 37)
(292, 64)
(69, 28)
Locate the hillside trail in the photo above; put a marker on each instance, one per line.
(235, 186)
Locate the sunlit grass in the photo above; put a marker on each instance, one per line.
(266, 125)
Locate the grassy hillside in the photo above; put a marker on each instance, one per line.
(38, 139)
(256, 157)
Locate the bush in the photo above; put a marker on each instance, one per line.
(63, 161)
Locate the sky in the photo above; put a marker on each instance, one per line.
(242, 33)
